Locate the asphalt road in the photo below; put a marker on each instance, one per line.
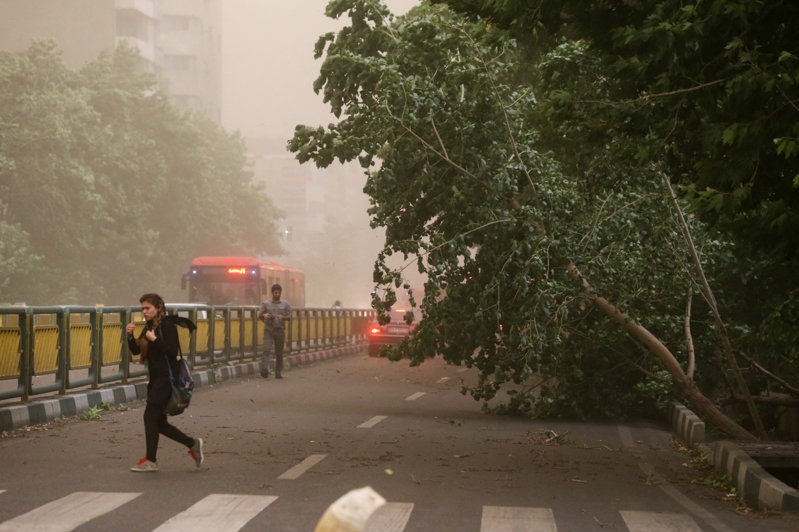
(278, 452)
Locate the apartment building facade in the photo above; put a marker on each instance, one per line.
(179, 40)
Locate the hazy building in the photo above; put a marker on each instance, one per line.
(179, 40)
(190, 41)
(325, 229)
(289, 185)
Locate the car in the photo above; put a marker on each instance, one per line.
(402, 323)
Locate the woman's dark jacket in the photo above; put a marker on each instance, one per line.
(164, 348)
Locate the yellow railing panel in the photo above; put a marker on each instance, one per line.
(45, 349)
(235, 334)
(80, 346)
(112, 338)
(327, 324)
(248, 334)
(219, 334)
(201, 335)
(184, 337)
(9, 351)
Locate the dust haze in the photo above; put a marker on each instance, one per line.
(268, 73)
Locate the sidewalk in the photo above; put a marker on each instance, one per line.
(757, 486)
(74, 404)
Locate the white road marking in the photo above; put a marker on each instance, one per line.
(218, 512)
(680, 498)
(391, 517)
(68, 513)
(695, 509)
(230, 513)
(658, 522)
(302, 467)
(415, 396)
(372, 422)
(517, 519)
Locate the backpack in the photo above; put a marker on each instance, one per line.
(182, 383)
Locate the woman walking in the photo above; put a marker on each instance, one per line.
(158, 345)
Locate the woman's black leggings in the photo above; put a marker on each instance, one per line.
(155, 423)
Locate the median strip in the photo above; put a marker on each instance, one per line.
(371, 422)
(295, 472)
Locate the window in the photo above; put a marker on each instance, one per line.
(133, 24)
(179, 23)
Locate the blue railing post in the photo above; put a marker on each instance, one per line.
(228, 349)
(26, 353)
(254, 318)
(64, 340)
(125, 357)
(97, 333)
(212, 334)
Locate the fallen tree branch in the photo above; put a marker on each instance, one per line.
(769, 374)
(693, 394)
(740, 383)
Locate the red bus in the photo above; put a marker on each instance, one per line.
(241, 281)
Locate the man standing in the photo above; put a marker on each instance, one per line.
(275, 314)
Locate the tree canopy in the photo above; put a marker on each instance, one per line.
(709, 92)
(513, 162)
(107, 189)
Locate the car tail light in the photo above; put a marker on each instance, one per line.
(375, 330)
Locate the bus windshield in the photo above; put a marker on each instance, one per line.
(239, 281)
(223, 293)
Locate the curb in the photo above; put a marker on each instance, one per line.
(687, 425)
(37, 412)
(757, 486)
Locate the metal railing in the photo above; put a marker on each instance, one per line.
(57, 349)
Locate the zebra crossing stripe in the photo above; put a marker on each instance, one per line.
(659, 522)
(517, 519)
(68, 513)
(295, 472)
(391, 517)
(415, 396)
(230, 513)
(218, 512)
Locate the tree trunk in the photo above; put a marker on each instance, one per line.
(693, 395)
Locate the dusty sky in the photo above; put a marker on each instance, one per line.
(268, 73)
(268, 64)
